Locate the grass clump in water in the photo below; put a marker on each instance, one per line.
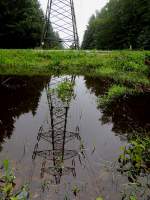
(114, 92)
(134, 162)
(64, 91)
(7, 185)
(135, 159)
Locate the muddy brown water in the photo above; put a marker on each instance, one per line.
(79, 154)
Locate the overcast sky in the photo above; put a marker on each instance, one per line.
(84, 9)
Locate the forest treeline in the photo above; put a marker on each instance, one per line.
(21, 25)
(121, 24)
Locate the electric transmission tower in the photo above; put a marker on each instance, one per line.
(60, 17)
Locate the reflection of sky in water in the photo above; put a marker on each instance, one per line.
(28, 110)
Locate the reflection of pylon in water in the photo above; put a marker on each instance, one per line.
(57, 136)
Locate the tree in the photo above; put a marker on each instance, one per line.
(89, 35)
(119, 25)
(21, 24)
(51, 39)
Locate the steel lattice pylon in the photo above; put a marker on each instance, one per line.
(56, 136)
(61, 15)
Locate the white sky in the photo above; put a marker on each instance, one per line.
(83, 9)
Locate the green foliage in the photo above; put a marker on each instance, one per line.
(135, 158)
(66, 197)
(134, 163)
(7, 185)
(51, 39)
(133, 198)
(75, 190)
(64, 91)
(22, 24)
(99, 198)
(8, 174)
(114, 92)
(121, 24)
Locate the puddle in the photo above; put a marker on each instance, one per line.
(66, 150)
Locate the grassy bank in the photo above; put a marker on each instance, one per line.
(109, 64)
(34, 62)
(127, 69)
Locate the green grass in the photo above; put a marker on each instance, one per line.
(114, 92)
(134, 163)
(37, 61)
(7, 185)
(127, 69)
(64, 91)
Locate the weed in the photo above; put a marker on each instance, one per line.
(8, 174)
(64, 91)
(135, 159)
(7, 185)
(135, 162)
(115, 91)
(75, 190)
(133, 197)
(99, 198)
(66, 197)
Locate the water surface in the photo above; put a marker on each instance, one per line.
(82, 148)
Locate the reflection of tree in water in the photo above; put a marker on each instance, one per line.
(128, 114)
(55, 135)
(97, 85)
(18, 95)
